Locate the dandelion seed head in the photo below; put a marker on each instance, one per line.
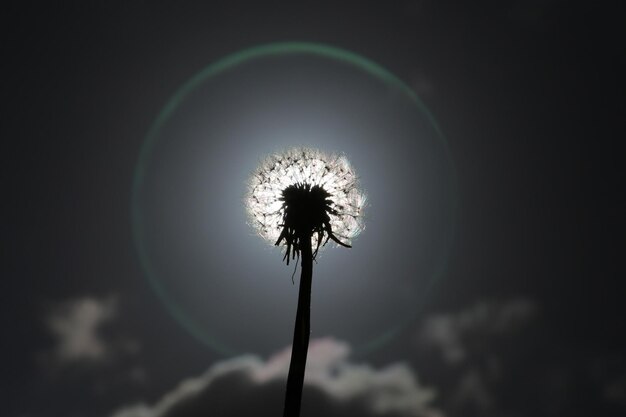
(304, 166)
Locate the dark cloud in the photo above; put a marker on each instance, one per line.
(333, 387)
(472, 355)
(504, 358)
(615, 391)
(452, 334)
(472, 389)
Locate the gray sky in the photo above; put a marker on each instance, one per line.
(525, 321)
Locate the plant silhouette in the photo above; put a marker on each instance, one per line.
(307, 211)
(302, 198)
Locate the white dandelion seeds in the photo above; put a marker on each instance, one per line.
(329, 175)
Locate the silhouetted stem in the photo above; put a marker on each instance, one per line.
(302, 329)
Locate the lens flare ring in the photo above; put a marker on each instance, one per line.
(148, 217)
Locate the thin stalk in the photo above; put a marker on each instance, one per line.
(301, 332)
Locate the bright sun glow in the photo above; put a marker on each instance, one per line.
(305, 166)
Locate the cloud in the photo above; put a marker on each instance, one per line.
(75, 325)
(78, 327)
(474, 356)
(454, 335)
(334, 386)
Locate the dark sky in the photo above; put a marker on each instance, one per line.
(528, 319)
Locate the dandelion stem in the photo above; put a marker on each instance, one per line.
(302, 329)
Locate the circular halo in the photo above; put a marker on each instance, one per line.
(277, 63)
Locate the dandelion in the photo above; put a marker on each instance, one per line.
(301, 199)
